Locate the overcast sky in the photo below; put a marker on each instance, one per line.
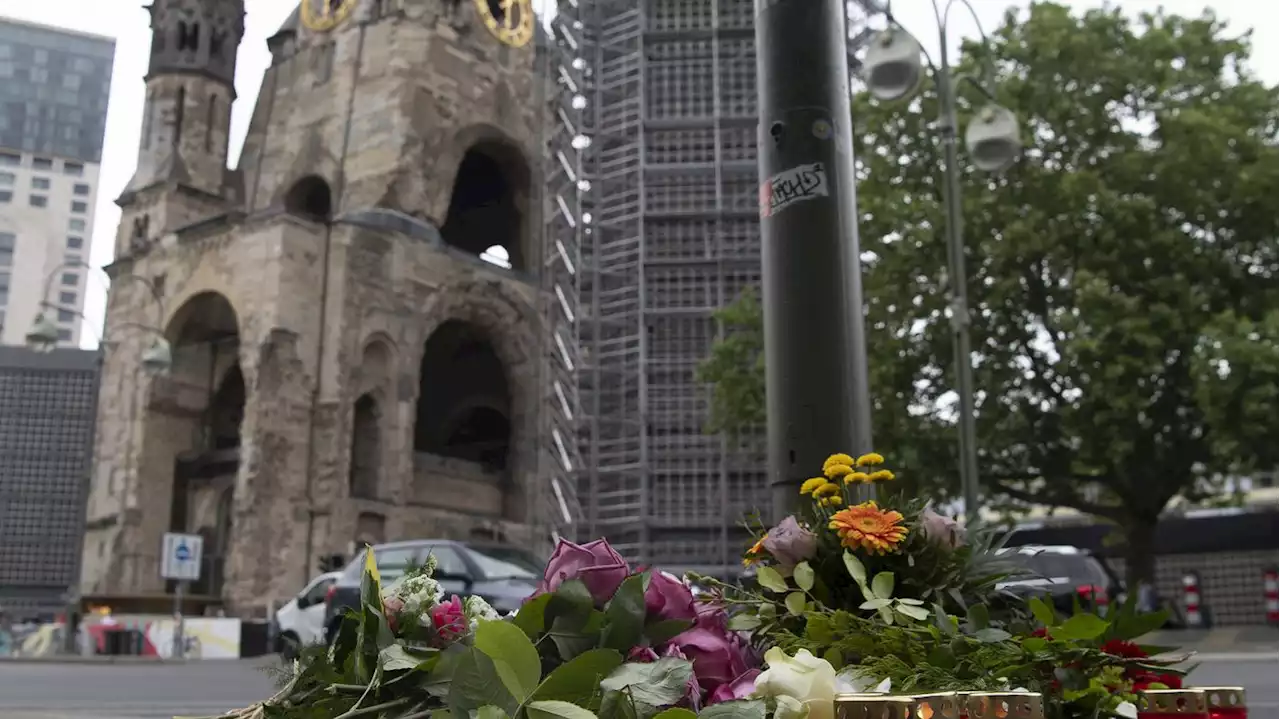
(126, 21)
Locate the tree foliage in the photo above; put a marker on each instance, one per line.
(1122, 276)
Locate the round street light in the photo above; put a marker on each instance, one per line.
(993, 139)
(893, 66)
(158, 358)
(43, 336)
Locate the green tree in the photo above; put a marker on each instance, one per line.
(1122, 275)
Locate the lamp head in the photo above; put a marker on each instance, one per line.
(993, 139)
(158, 358)
(43, 336)
(893, 66)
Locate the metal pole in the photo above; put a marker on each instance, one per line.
(178, 643)
(957, 285)
(816, 370)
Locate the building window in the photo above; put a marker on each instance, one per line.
(74, 169)
(66, 316)
(11, 159)
(6, 196)
(75, 224)
(70, 279)
(67, 298)
(7, 178)
(81, 189)
(41, 163)
(75, 243)
(7, 242)
(79, 206)
(39, 201)
(39, 183)
(4, 288)
(64, 335)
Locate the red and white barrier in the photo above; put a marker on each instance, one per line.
(1270, 583)
(1191, 599)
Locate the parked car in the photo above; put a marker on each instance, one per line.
(301, 621)
(1064, 575)
(500, 574)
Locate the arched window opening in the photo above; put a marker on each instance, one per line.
(371, 528)
(311, 198)
(484, 210)
(188, 36)
(366, 445)
(464, 404)
(226, 411)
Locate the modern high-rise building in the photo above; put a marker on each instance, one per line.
(652, 226)
(53, 108)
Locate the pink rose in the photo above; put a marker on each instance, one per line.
(391, 610)
(642, 655)
(596, 563)
(790, 544)
(693, 690)
(711, 615)
(668, 598)
(449, 620)
(740, 688)
(718, 657)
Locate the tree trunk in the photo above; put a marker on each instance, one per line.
(1140, 560)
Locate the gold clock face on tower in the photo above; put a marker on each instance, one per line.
(325, 15)
(511, 21)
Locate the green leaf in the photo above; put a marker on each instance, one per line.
(795, 603)
(917, 613)
(744, 622)
(396, 658)
(875, 604)
(769, 578)
(618, 705)
(855, 567)
(657, 684)
(532, 616)
(834, 656)
(991, 635)
(886, 614)
(803, 574)
(978, 617)
(491, 712)
(1035, 644)
(1043, 612)
(557, 710)
(578, 680)
(912, 602)
(476, 683)
(1081, 626)
(1131, 626)
(882, 585)
(663, 630)
(624, 615)
(514, 657)
(738, 709)
(942, 620)
(676, 713)
(570, 600)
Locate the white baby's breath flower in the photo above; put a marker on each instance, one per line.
(478, 610)
(1127, 710)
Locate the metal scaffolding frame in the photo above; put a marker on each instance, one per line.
(661, 96)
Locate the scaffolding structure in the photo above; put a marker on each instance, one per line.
(657, 106)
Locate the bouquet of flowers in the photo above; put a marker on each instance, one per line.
(847, 597)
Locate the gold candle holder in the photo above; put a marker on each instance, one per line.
(873, 706)
(1173, 701)
(1225, 701)
(1003, 705)
(936, 705)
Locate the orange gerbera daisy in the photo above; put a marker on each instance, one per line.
(869, 527)
(753, 554)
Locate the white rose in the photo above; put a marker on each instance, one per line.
(808, 680)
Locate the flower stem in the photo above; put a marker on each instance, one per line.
(372, 709)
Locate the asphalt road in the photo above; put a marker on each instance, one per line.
(162, 691)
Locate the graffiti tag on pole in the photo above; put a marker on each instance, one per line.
(804, 182)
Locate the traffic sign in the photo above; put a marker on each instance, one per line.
(180, 556)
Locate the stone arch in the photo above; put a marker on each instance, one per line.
(310, 197)
(378, 360)
(464, 399)
(366, 449)
(489, 198)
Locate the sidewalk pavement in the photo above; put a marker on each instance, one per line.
(1223, 643)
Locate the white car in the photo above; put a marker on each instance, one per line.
(301, 621)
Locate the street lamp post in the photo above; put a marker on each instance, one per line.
(893, 69)
(816, 371)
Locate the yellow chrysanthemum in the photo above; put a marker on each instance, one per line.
(870, 460)
(857, 477)
(838, 458)
(868, 527)
(811, 485)
(836, 471)
(826, 490)
(835, 501)
(882, 475)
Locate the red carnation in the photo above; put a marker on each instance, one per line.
(1042, 633)
(1121, 648)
